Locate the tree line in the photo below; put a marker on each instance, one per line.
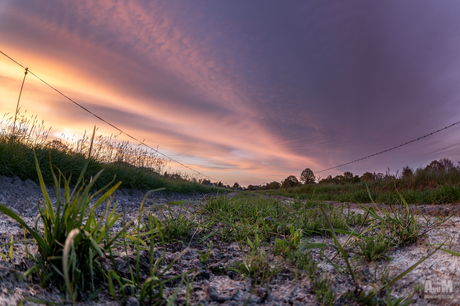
(442, 166)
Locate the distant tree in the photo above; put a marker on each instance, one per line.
(388, 176)
(205, 182)
(435, 166)
(440, 166)
(367, 177)
(236, 186)
(447, 163)
(338, 179)
(289, 182)
(273, 185)
(307, 176)
(326, 180)
(347, 176)
(407, 172)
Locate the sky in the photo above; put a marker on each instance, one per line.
(245, 91)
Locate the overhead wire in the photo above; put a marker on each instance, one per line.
(105, 121)
(390, 149)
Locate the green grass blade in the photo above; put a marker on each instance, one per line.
(180, 202)
(10, 254)
(337, 243)
(41, 242)
(306, 246)
(451, 252)
(412, 267)
(111, 275)
(96, 247)
(104, 197)
(49, 209)
(83, 171)
(65, 260)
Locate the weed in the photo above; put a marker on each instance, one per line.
(256, 265)
(320, 283)
(374, 247)
(204, 256)
(152, 287)
(403, 223)
(68, 248)
(322, 290)
(284, 247)
(174, 225)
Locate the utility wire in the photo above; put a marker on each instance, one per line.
(384, 151)
(107, 122)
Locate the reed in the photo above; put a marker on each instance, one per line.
(136, 167)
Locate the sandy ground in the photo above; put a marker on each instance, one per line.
(437, 279)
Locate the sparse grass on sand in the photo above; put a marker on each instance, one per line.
(80, 251)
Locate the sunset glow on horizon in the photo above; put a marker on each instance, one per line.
(247, 92)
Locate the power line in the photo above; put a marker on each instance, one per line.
(105, 121)
(390, 149)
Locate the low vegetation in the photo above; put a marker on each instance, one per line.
(437, 183)
(79, 249)
(135, 167)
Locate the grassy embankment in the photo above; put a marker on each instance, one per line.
(136, 168)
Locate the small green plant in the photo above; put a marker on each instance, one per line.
(283, 246)
(374, 247)
(174, 226)
(10, 250)
(342, 251)
(373, 298)
(204, 256)
(256, 265)
(72, 237)
(10, 253)
(322, 287)
(152, 287)
(403, 223)
(320, 283)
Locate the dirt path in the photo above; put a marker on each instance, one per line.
(215, 284)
